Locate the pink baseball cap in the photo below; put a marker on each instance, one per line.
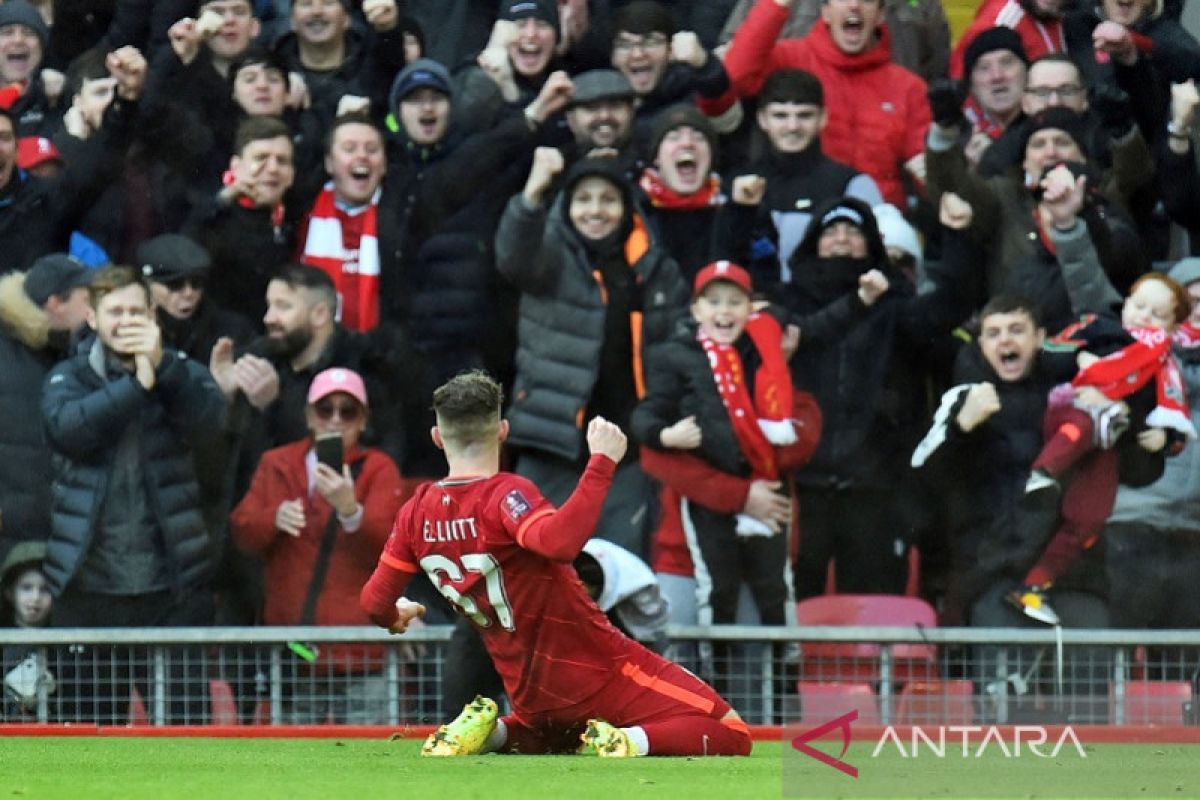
(337, 379)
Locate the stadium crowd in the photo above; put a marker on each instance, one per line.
(230, 226)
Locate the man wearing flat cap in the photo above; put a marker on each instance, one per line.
(39, 310)
(177, 269)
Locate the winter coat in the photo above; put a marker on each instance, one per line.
(86, 414)
(25, 358)
(562, 318)
(289, 561)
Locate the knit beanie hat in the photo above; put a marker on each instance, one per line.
(678, 116)
(19, 12)
(1059, 118)
(998, 38)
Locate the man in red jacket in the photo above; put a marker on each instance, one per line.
(877, 110)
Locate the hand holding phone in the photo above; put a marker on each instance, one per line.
(329, 450)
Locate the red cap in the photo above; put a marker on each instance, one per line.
(722, 271)
(335, 380)
(35, 150)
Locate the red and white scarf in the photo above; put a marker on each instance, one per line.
(353, 265)
(663, 196)
(1122, 373)
(1187, 335)
(765, 421)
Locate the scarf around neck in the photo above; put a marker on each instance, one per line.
(1122, 373)
(761, 422)
(355, 270)
(663, 196)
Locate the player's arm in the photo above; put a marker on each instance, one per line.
(560, 534)
(381, 597)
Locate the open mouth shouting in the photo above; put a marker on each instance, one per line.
(529, 57)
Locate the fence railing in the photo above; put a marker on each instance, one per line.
(361, 675)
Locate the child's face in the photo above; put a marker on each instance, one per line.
(722, 310)
(30, 597)
(1010, 342)
(1151, 305)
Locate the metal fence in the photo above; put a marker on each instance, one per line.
(890, 675)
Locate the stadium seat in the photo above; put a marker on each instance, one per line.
(937, 703)
(859, 662)
(821, 702)
(1152, 703)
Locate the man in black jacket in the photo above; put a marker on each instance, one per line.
(36, 216)
(128, 544)
(38, 312)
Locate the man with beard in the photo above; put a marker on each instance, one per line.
(39, 310)
(600, 116)
(304, 338)
(1037, 22)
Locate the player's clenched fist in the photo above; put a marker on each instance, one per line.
(606, 439)
(406, 611)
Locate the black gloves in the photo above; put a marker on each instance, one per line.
(945, 101)
(1114, 109)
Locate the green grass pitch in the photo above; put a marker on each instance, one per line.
(362, 769)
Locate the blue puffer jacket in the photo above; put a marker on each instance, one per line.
(86, 414)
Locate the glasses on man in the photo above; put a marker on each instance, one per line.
(627, 44)
(347, 412)
(1068, 91)
(179, 284)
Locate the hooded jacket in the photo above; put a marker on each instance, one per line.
(563, 314)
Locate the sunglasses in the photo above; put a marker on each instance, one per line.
(348, 412)
(178, 284)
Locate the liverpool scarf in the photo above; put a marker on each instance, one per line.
(663, 196)
(766, 420)
(1122, 373)
(344, 243)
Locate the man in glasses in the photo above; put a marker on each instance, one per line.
(320, 522)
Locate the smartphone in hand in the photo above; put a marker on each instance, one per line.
(329, 451)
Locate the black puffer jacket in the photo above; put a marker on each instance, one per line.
(25, 358)
(86, 415)
(562, 320)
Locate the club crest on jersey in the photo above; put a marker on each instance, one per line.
(515, 505)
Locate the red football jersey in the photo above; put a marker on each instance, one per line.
(552, 645)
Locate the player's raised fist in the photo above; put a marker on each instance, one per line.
(606, 439)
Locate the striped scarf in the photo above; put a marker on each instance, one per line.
(354, 269)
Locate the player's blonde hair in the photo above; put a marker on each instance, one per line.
(468, 409)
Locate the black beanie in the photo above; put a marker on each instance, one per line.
(642, 17)
(1063, 119)
(545, 10)
(998, 38)
(677, 116)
